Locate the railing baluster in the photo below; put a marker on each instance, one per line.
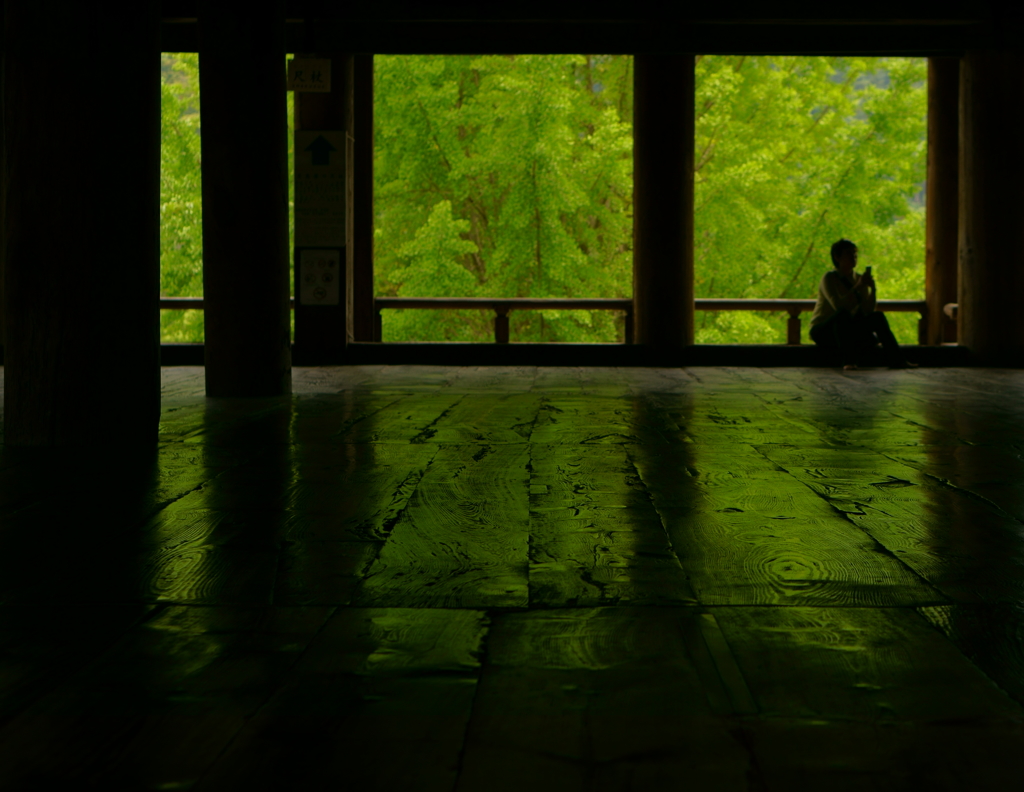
(793, 327)
(501, 323)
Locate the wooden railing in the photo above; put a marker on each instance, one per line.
(502, 308)
(795, 307)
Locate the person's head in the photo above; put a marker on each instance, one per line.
(844, 251)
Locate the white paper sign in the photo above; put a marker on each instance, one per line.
(319, 277)
(319, 188)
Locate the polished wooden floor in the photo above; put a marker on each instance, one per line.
(427, 578)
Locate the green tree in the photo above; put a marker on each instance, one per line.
(792, 153)
(524, 159)
(181, 197)
(511, 176)
(181, 203)
(535, 154)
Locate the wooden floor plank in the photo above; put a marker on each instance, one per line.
(991, 636)
(321, 572)
(156, 709)
(40, 646)
(759, 535)
(888, 757)
(736, 559)
(410, 420)
(870, 665)
(598, 699)
(487, 418)
(568, 567)
(379, 701)
(462, 540)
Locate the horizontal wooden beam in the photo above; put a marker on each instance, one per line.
(568, 354)
(512, 303)
(729, 304)
(546, 36)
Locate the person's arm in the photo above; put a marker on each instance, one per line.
(869, 298)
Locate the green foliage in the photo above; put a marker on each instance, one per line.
(181, 204)
(503, 176)
(791, 154)
(535, 154)
(511, 176)
(181, 200)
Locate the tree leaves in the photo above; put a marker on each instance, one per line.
(181, 197)
(511, 176)
(181, 203)
(791, 154)
(534, 155)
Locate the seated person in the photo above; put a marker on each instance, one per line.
(845, 318)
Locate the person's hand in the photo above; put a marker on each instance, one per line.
(866, 280)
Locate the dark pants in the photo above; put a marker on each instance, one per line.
(853, 336)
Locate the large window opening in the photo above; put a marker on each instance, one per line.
(503, 176)
(181, 195)
(792, 154)
(511, 177)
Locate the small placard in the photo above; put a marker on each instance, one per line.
(309, 74)
(319, 277)
(319, 188)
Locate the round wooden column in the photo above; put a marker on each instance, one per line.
(81, 226)
(992, 207)
(663, 201)
(245, 199)
(942, 195)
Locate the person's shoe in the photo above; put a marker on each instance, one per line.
(903, 364)
(850, 367)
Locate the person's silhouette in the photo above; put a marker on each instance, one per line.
(845, 319)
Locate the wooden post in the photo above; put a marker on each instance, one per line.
(321, 178)
(501, 323)
(793, 328)
(3, 194)
(360, 158)
(81, 228)
(245, 200)
(922, 327)
(942, 196)
(991, 323)
(663, 128)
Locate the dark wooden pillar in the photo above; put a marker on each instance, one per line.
(991, 323)
(321, 179)
(663, 201)
(3, 194)
(361, 313)
(81, 226)
(245, 199)
(942, 195)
